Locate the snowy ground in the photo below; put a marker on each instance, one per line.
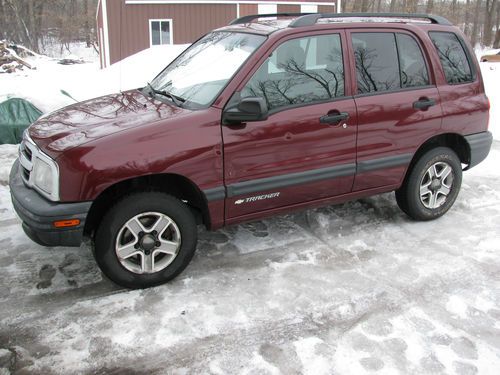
(347, 289)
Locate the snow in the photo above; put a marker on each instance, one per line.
(43, 85)
(352, 288)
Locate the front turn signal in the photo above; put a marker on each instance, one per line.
(66, 223)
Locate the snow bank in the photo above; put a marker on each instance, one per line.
(84, 81)
(491, 77)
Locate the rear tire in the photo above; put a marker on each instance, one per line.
(146, 239)
(432, 185)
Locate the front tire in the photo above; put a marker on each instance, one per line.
(146, 239)
(432, 185)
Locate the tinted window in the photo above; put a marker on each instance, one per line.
(299, 71)
(453, 58)
(411, 62)
(376, 62)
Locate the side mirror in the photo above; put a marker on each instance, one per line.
(247, 109)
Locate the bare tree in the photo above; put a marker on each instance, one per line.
(496, 43)
(489, 14)
(475, 25)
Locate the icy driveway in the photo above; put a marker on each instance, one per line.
(346, 289)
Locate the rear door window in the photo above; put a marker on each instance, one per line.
(376, 59)
(453, 57)
(411, 61)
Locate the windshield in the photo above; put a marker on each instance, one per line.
(198, 75)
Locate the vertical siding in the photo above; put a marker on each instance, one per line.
(114, 11)
(99, 39)
(283, 8)
(326, 8)
(247, 9)
(128, 25)
(190, 21)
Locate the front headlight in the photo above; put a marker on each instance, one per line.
(42, 176)
(39, 171)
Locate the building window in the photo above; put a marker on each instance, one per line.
(160, 32)
(308, 8)
(267, 8)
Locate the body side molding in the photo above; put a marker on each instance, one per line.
(385, 162)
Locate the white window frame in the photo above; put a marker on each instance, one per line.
(308, 8)
(171, 22)
(267, 8)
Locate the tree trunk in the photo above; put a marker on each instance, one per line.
(489, 12)
(430, 6)
(392, 7)
(496, 43)
(2, 20)
(23, 32)
(467, 30)
(454, 11)
(379, 6)
(364, 5)
(86, 25)
(475, 25)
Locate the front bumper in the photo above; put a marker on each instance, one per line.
(479, 145)
(39, 214)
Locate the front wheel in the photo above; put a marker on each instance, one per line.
(146, 239)
(432, 186)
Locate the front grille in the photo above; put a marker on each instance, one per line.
(26, 151)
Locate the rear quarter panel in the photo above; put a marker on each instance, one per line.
(465, 106)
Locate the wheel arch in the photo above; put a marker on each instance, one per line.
(454, 141)
(176, 185)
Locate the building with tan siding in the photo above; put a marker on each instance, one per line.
(125, 27)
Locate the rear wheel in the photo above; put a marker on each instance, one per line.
(432, 186)
(146, 239)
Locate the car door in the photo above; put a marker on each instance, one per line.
(305, 150)
(398, 104)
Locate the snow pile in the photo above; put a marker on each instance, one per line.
(491, 76)
(84, 81)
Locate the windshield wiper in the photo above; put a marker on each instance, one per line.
(175, 98)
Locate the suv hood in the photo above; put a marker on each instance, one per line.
(83, 122)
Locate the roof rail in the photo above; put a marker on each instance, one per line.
(251, 17)
(311, 19)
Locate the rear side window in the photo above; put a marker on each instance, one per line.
(411, 62)
(388, 61)
(453, 58)
(376, 59)
(300, 71)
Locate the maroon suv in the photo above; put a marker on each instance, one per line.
(267, 115)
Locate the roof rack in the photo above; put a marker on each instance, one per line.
(251, 17)
(311, 19)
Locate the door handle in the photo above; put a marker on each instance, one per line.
(334, 118)
(424, 103)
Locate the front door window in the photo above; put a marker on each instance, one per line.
(300, 71)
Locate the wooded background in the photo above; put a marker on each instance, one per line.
(478, 19)
(42, 24)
